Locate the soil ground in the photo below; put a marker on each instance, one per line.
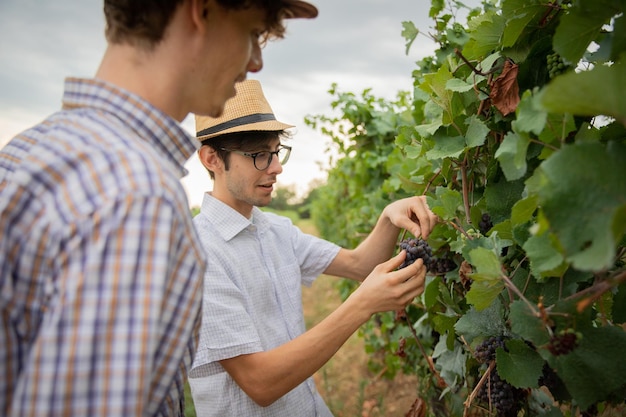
(345, 382)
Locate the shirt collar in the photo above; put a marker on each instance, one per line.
(229, 222)
(161, 131)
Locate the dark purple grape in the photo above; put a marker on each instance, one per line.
(563, 342)
(506, 399)
(416, 249)
(485, 224)
(486, 350)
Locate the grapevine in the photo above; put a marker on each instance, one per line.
(516, 132)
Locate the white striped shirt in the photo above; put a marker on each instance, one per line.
(252, 303)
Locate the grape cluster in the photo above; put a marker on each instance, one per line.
(416, 249)
(486, 350)
(485, 224)
(499, 394)
(556, 65)
(563, 342)
(420, 249)
(441, 266)
(551, 381)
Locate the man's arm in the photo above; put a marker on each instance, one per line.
(410, 213)
(267, 376)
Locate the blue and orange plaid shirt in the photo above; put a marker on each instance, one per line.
(100, 266)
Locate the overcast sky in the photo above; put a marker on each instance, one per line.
(354, 43)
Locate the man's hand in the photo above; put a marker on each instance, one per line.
(412, 214)
(388, 288)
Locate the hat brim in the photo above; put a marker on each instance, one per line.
(297, 9)
(267, 126)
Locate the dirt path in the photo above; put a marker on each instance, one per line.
(348, 387)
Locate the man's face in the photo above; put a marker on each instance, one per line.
(247, 186)
(232, 49)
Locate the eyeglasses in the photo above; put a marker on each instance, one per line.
(263, 159)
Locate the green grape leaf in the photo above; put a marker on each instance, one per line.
(595, 369)
(485, 38)
(558, 128)
(521, 366)
(431, 291)
(619, 305)
(519, 13)
(458, 85)
(504, 232)
(477, 131)
(446, 204)
(446, 147)
(544, 257)
(501, 196)
(582, 193)
(409, 32)
(530, 115)
(589, 93)
(542, 404)
(618, 40)
(428, 129)
(436, 6)
(451, 363)
(435, 85)
(484, 323)
(482, 293)
(412, 152)
(526, 323)
(487, 264)
(523, 210)
(512, 155)
(581, 26)
(443, 323)
(486, 285)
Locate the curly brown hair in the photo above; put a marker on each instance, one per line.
(144, 21)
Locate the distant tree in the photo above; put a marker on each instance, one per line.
(311, 195)
(284, 198)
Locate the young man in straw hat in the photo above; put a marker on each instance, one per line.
(100, 267)
(255, 357)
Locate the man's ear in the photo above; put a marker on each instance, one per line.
(209, 158)
(200, 10)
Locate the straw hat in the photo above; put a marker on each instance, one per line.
(247, 111)
(299, 9)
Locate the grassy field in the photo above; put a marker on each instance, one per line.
(345, 383)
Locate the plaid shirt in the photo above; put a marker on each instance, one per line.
(100, 266)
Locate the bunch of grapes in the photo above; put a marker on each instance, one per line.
(486, 350)
(556, 65)
(485, 224)
(499, 394)
(563, 342)
(441, 266)
(416, 249)
(420, 249)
